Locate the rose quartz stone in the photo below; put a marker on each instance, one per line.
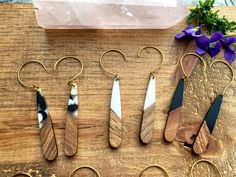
(109, 14)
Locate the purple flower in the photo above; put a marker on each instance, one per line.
(190, 31)
(211, 45)
(229, 44)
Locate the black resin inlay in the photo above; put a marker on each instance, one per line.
(178, 96)
(213, 112)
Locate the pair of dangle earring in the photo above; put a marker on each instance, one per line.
(202, 139)
(115, 124)
(47, 135)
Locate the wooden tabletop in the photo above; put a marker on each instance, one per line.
(22, 40)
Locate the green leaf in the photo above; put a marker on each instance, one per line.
(203, 14)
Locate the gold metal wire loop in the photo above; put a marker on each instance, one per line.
(88, 167)
(158, 50)
(207, 161)
(71, 81)
(100, 61)
(21, 173)
(232, 71)
(181, 63)
(156, 166)
(20, 69)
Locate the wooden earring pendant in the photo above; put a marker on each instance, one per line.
(174, 113)
(148, 117)
(47, 135)
(71, 127)
(115, 121)
(203, 137)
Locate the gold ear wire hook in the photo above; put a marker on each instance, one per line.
(21, 173)
(88, 167)
(100, 61)
(181, 63)
(162, 56)
(67, 57)
(18, 73)
(204, 160)
(156, 166)
(232, 71)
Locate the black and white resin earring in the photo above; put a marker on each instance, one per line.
(71, 128)
(115, 121)
(148, 117)
(47, 135)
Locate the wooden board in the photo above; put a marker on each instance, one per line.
(22, 40)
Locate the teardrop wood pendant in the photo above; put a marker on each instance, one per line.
(47, 134)
(147, 125)
(115, 135)
(174, 113)
(71, 128)
(202, 140)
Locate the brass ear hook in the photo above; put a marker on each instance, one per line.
(21, 173)
(232, 71)
(88, 167)
(100, 60)
(18, 73)
(71, 81)
(181, 63)
(207, 161)
(154, 165)
(162, 56)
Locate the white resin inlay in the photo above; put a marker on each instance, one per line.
(115, 98)
(150, 98)
(74, 90)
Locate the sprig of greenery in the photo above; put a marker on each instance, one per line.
(203, 14)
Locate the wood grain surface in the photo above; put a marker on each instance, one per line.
(22, 40)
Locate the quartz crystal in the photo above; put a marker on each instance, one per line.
(109, 14)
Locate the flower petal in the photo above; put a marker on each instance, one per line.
(200, 51)
(216, 36)
(189, 27)
(180, 35)
(213, 51)
(202, 42)
(229, 55)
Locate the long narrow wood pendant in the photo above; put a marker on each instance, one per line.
(174, 113)
(71, 128)
(47, 134)
(147, 125)
(201, 142)
(115, 135)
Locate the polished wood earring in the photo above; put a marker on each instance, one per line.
(71, 127)
(204, 134)
(148, 117)
(47, 135)
(115, 124)
(176, 104)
